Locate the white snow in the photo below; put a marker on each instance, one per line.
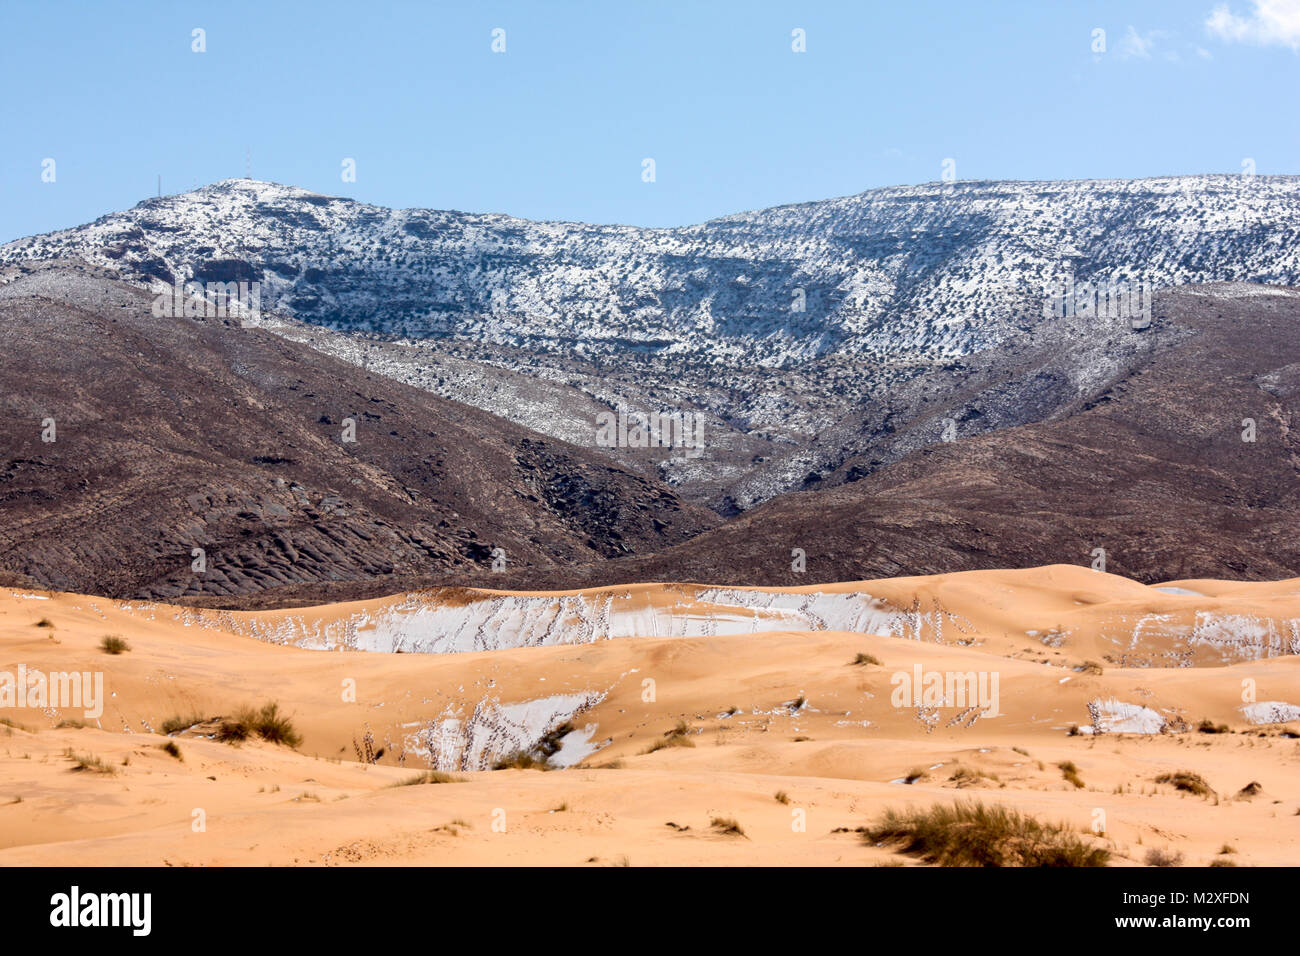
(1271, 712)
(1111, 716)
(493, 730)
(576, 746)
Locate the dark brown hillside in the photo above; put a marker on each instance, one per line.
(174, 434)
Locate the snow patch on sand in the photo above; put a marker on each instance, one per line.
(1271, 712)
(1247, 635)
(1111, 716)
(493, 730)
(436, 622)
(576, 746)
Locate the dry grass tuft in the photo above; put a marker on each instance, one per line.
(1187, 781)
(114, 644)
(1159, 857)
(972, 834)
(429, 776)
(1071, 773)
(267, 722)
(727, 826)
(89, 762)
(677, 737)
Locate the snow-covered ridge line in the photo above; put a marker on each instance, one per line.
(935, 270)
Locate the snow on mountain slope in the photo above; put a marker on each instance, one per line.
(783, 329)
(931, 270)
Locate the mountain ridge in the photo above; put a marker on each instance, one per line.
(519, 281)
(784, 330)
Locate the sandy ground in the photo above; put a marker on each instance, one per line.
(767, 710)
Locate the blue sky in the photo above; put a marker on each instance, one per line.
(558, 125)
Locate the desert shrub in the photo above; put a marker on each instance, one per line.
(114, 644)
(266, 722)
(519, 760)
(273, 726)
(727, 825)
(549, 745)
(864, 659)
(677, 737)
(1159, 857)
(171, 749)
(429, 776)
(1208, 726)
(972, 834)
(232, 731)
(969, 777)
(89, 762)
(1071, 773)
(174, 725)
(1188, 781)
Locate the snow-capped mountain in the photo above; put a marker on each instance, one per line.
(937, 270)
(804, 337)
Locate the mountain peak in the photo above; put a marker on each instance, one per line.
(257, 188)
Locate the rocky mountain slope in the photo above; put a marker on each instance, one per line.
(773, 326)
(171, 434)
(1155, 470)
(1186, 465)
(932, 270)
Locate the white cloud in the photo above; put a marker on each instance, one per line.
(1135, 44)
(1271, 22)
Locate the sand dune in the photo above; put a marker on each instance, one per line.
(745, 693)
